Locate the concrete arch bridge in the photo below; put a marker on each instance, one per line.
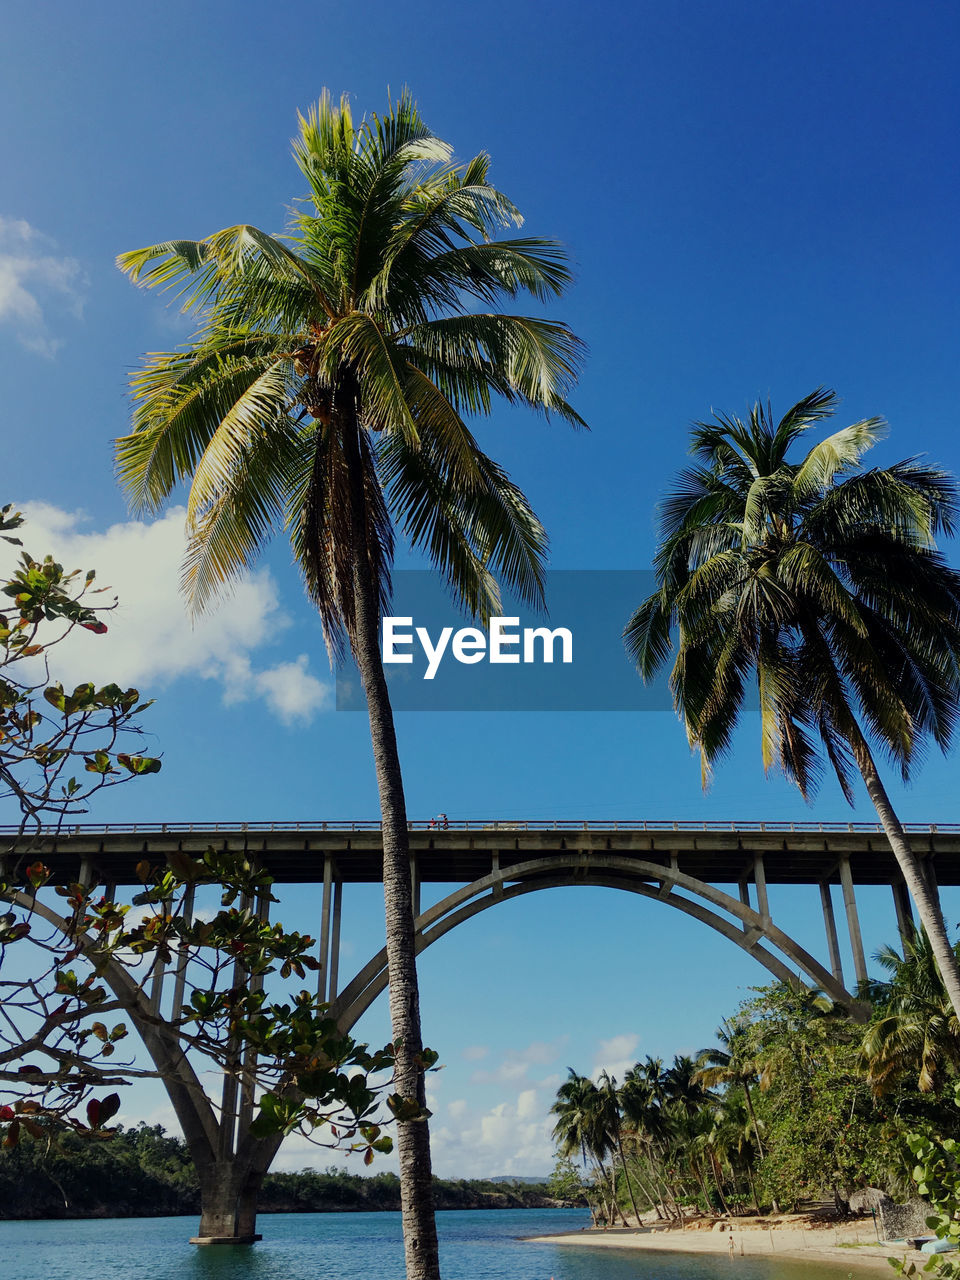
(718, 873)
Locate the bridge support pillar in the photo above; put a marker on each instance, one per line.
(248, 1083)
(183, 955)
(335, 940)
(904, 910)
(853, 920)
(760, 880)
(830, 925)
(323, 973)
(931, 871)
(666, 886)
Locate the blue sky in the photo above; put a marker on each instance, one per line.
(757, 198)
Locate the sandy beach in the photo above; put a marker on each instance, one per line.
(850, 1244)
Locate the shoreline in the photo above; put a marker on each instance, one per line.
(849, 1244)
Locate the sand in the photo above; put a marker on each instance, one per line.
(846, 1244)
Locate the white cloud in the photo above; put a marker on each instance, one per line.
(32, 276)
(508, 1138)
(151, 641)
(288, 689)
(518, 1062)
(474, 1052)
(508, 1072)
(615, 1056)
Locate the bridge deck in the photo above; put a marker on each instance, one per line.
(793, 853)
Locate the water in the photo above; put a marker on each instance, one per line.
(475, 1245)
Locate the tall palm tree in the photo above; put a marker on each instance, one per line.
(614, 1120)
(644, 1101)
(821, 581)
(582, 1126)
(731, 1063)
(917, 1032)
(732, 1137)
(324, 394)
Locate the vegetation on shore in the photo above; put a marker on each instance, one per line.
(796, 1104)
(145, 1172)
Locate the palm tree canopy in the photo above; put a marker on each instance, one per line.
(582, 1112)
(816, 578)
(731, 1061)
(366, 309)
(917, 1032)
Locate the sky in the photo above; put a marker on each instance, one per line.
(757, 199)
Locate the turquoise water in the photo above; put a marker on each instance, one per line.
(475, 1245)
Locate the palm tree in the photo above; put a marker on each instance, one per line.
(731, 1063)
(582, 1127)
(917, 1031)
(821, 580)
(324, 394)
(645, 1103)
(732, 1135)
(608, 1088)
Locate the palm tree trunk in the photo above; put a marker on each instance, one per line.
(753, 1117)
(703, 1186)
(413, 1136)
(753, 1189)
(716, 1179)
(928, 907)
(626, 1174)
(614, 1202)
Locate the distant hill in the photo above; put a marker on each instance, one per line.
(540, 1181)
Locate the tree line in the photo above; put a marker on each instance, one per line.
(145, 1172)
(795, 1103)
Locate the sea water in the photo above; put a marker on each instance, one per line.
(474, 1245)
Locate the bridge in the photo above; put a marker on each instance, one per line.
(716, 872)
(687, 865)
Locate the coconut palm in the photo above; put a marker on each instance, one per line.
(582, 1126)
(819, 580)
(732, 1062)
(645, 1103)
(324, 394)
(917, 1032)
(614, 1121)
(732, 1138)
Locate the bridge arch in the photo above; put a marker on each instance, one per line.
(651, 880)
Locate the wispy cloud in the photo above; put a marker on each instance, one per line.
(517, 1063)
(616, 1056)
(34, 280)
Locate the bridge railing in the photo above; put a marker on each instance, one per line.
(474, 824)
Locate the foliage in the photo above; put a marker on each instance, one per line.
(144, 1172)
(57, 749)
(306, 1072)
(334, 367)
(820, 583)
(916, 1031)
(567, 1183)
(937, 1175)
(819, 577)
(813, 1126)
